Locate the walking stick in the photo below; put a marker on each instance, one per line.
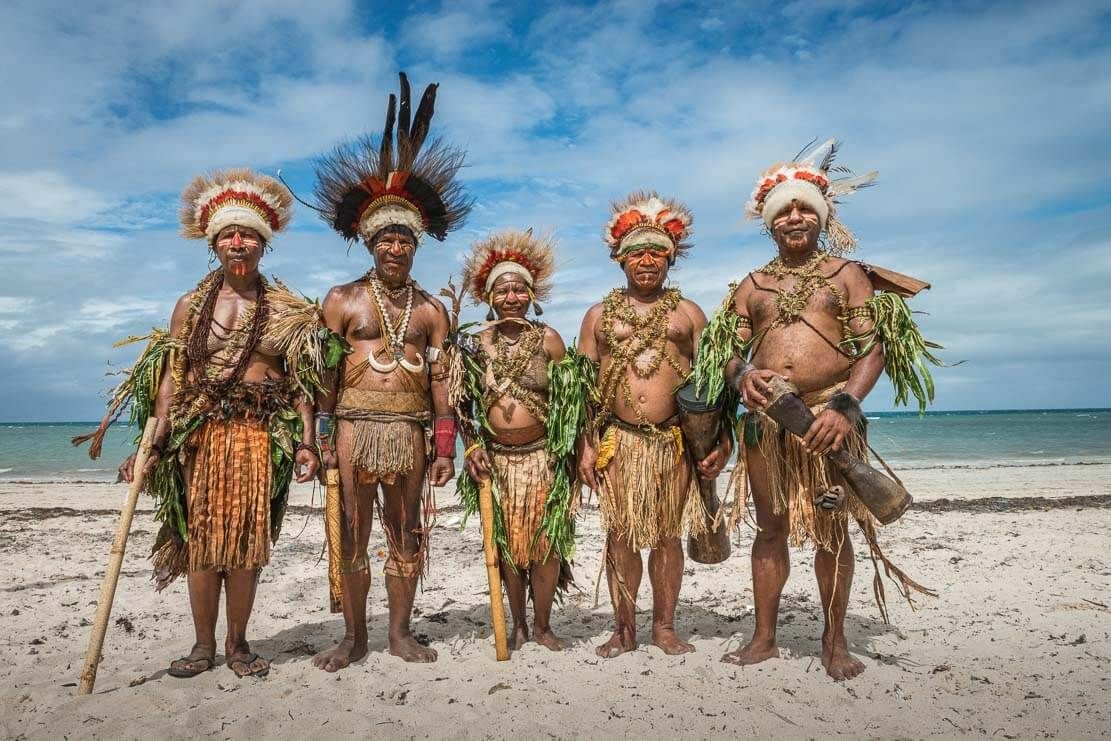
(490, 550)
(333, 528)
(115, 561)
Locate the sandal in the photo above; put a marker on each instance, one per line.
(190, 666)
(246, 660)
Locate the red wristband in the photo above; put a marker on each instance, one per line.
(443, 435)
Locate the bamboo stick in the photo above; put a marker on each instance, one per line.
(493, 575)
(115, 561)
(333, 523)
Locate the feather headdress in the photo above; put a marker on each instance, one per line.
(645, 219)
(510, 251)
(237, 197)
(363, 186)
(806, 178)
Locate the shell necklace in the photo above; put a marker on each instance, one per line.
(394, 335)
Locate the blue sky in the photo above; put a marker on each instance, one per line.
(987, 122)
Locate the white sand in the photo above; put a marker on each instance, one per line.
(1016, 646)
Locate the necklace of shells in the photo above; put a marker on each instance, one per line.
(394, 336)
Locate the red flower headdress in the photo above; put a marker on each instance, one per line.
(237, 197)
(806, 178)
(510, 251)
(646, 219)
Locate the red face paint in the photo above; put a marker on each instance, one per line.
(239, 270)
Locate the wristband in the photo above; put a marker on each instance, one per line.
(847, 406)
(306, 446)
(325, 428)
(472, 449)
(745, 370)
(443, 435)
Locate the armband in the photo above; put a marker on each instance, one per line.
(433, 354)
(859, 312)
(443, 436)
(847, 406)
(745, 370)
(325, 428)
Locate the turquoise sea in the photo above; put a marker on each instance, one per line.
(984, 439)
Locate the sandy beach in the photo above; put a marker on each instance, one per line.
(1016, 645)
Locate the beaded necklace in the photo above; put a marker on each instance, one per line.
(507, 367)
(649, 335)
(791, 303)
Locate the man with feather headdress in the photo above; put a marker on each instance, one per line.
(643, 339)
(231, 385)
(394, 431)
(522, 399)
(810, 317)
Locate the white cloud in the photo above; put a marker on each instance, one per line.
(14, 305)
(48, 197)
(456, 28)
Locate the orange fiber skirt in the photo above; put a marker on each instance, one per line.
(229, 496)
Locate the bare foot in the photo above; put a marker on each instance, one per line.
(405, 647)
(339, 657)
(837, 660)
(547, 639)
(519, 638)
(666, 640)
(622, 641)
(753, 653)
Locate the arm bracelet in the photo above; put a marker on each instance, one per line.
(325, 428)
(745, 370)
(443, 436)
(847, 406)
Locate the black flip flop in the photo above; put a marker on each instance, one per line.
(246, 660)
(191, 671)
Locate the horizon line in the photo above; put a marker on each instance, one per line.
(909, 412)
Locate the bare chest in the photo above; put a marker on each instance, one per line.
(368, 321)
(788, 300)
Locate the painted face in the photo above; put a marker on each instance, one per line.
(239, 250)
(393, 256)
(510, 296)
(796, 228)
(646, 268)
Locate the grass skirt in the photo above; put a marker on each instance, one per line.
(647, 489)
(795, 477)
(522, 480)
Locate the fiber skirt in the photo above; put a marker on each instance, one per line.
(229, 496)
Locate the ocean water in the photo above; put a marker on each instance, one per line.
(986, 439)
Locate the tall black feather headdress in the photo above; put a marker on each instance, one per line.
(363, 186)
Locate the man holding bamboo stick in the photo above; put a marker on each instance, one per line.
(231, 386)
(394, 428)
(808, 317)
(643, 338)
(521, 397)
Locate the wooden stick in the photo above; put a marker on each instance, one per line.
(493, 574)
(333, 529)
(115, 561)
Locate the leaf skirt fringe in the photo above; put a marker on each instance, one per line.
(794, 476)
(522, 481)
(647, 491)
